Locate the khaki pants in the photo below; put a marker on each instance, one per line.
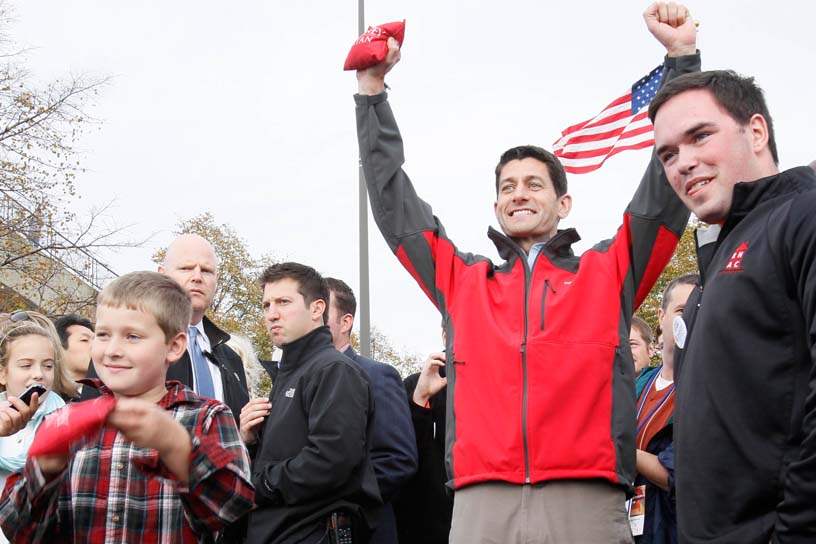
(557, 512)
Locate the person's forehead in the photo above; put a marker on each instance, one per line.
(285, 287)
(680, 294)
(79, 330)
(523, 168)
(123, 316)
(191, 250)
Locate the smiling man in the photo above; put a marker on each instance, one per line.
(541, 415)
(745, 425)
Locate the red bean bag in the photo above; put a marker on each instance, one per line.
(372, 47)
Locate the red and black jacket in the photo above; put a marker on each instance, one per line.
(540, 373)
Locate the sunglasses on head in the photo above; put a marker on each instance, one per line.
(19, 315)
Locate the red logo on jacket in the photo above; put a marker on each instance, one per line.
(734, 264)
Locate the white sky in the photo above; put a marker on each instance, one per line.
(242, 109)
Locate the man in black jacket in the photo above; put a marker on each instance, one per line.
(312, 473)
(393, 447)
(745, 420)
(209, 366)
(425, 506)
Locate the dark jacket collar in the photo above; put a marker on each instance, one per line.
(559, 245)
(215, 335)
(294, 352)
(749, 195)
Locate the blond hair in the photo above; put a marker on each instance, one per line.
(39, 325)
(152, 293)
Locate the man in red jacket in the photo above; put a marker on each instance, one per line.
(540, 435)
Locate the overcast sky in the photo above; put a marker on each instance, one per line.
(242, 109)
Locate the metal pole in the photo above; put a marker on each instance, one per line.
(362, 201)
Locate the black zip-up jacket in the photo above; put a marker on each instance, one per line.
(425, 505)
(745, 420)
(314, 453)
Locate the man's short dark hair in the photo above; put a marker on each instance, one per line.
(554, 167)
(686, 279)
(342, 296)
(740, 96)
(643, 329)
(311, 284)
(69, 320)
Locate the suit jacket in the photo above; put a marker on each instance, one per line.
(393, 445)
(233, 377)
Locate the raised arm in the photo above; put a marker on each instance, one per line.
(406, 221)
(655, 218)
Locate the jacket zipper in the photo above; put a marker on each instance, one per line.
(547, 288)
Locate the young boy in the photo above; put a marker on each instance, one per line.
(168, 466)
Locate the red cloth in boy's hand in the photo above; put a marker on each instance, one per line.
(69, 424)
(372, 47)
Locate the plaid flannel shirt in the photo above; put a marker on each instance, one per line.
(113, 491)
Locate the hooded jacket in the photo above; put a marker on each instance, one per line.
(745, 418)
(539, 369)
(314, 456)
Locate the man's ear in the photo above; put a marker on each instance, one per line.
(317, 309)
(564, 206)
(347, 322)
(758, 130)
(176, 347)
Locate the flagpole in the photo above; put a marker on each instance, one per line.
(365, 322)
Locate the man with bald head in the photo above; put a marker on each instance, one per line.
(209, 367)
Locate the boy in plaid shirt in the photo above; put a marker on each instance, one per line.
(168, 466)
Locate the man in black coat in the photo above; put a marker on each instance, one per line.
(393, 448)
(313, 476)
(745, 419)
(219, 372)
(425, 506)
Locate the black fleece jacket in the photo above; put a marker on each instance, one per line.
(745, 420)
(314, 453)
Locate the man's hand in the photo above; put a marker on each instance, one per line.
(11, 419)
(673, 27)
(430, 382)
(252, 414)
(148, 426)
(371, 81)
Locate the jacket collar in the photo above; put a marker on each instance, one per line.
(559, 245)
(294, 352)
(215, 335)
(749, 195)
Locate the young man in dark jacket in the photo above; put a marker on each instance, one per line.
(312, 471)
(745, 423)
(539, 391)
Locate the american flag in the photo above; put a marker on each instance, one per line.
(624, 124)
